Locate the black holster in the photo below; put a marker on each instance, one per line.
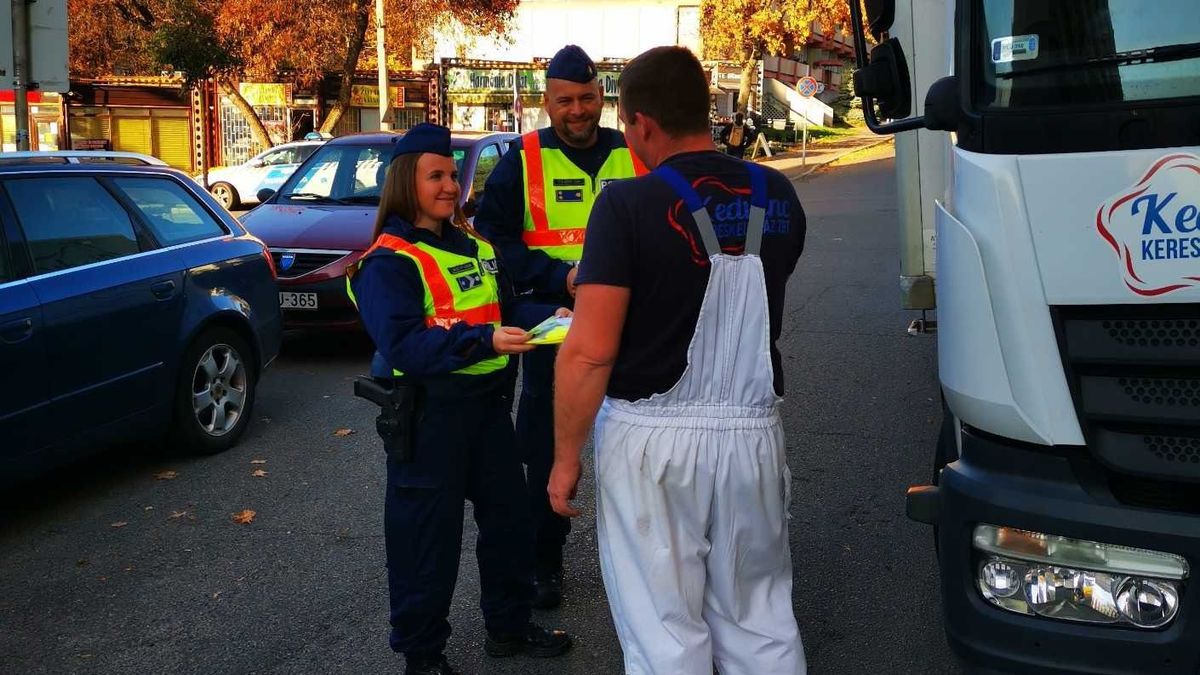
(400, 408)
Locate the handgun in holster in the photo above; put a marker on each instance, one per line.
(396, 424)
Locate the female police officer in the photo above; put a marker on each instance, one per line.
(430, 295)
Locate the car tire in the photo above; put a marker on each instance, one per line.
(226, 195)
(214, 396)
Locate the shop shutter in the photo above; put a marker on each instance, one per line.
(89, 127)
(132, 134)
(173, 142)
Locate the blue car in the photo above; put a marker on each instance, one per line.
(132, 306)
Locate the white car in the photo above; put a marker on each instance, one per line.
(234, 186)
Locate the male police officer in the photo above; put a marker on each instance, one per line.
(535, 209)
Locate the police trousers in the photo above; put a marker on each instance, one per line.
(465, 449)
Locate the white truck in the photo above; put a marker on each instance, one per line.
(1055, 167)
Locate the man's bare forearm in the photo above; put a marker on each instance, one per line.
(579, 386)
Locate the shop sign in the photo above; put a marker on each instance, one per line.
(494, 80)
(367, 96)
(264, 93)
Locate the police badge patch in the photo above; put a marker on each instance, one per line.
(490, 265)
(469, 281)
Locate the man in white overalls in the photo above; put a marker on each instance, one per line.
(679, 304)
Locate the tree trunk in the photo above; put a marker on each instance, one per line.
(362, 18)
(257, 130)
(749, 78)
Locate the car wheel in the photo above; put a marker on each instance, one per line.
(226, 195)
(215, 394)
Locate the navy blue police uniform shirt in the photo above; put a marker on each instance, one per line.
(501, 214)
(641, 236)
(391, 302)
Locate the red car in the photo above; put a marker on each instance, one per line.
(321, 219)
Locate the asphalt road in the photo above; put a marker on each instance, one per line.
(113, 566)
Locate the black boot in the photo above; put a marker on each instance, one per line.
(533, 641)
(547, 590)
(429, 665)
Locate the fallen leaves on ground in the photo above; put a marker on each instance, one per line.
(119, 523)
(258, 461)
(166, 475)
(245, 517)
(259, 473)
(343, 432)
(175, 515)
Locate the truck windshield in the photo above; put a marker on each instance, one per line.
(1037, 53)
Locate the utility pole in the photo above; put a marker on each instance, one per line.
(20, 42)
(385, 101)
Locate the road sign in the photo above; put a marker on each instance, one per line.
(47, 45)
(807, 86)
(6, 52)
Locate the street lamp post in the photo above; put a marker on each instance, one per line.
(385, 102)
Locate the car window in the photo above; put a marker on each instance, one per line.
(173, 214)
(283, 156)
(350, 173)
(488, 158)
(6, 274)
(304, 151)
(69, 222)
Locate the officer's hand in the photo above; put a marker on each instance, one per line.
(563, 313)
(509, 340)
(571, 281)
(564, 478)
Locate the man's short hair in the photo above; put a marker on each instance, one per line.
(668, 85)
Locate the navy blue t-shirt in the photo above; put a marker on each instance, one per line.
(641, 236)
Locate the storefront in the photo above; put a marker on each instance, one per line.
(495, 95)
(45, 120)
(147, 115)
(409, 93)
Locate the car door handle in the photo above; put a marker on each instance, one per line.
(163, 290)
(16, 331)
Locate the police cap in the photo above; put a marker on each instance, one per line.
(571, 63)
(424, 137)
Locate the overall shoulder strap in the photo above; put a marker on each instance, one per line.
(758, 209)
(696, 205)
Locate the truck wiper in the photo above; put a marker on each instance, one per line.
(1161, 54)
(312, 196)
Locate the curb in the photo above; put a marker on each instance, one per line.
(838, 156)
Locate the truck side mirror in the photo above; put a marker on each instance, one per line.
(943, 105)
(881, 14)
(886, 80)
(265, 194)
(882, 80)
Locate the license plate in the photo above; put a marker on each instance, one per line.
(290, 300)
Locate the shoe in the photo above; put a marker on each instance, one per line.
(535, 641)
(436, 665)
(547, 591)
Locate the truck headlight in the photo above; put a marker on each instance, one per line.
(1059, 577)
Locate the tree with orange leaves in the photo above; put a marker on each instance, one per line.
(231, 39)
(747, 30)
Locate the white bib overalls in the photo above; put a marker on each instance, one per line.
(693, 488)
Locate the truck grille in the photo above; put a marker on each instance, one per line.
(1135, 376)
(292, 263)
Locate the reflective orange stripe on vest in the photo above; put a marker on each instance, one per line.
(535, 183)
(444, 313)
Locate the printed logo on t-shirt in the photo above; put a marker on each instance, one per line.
(729, 209)
(469, 281)
(568, 196)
